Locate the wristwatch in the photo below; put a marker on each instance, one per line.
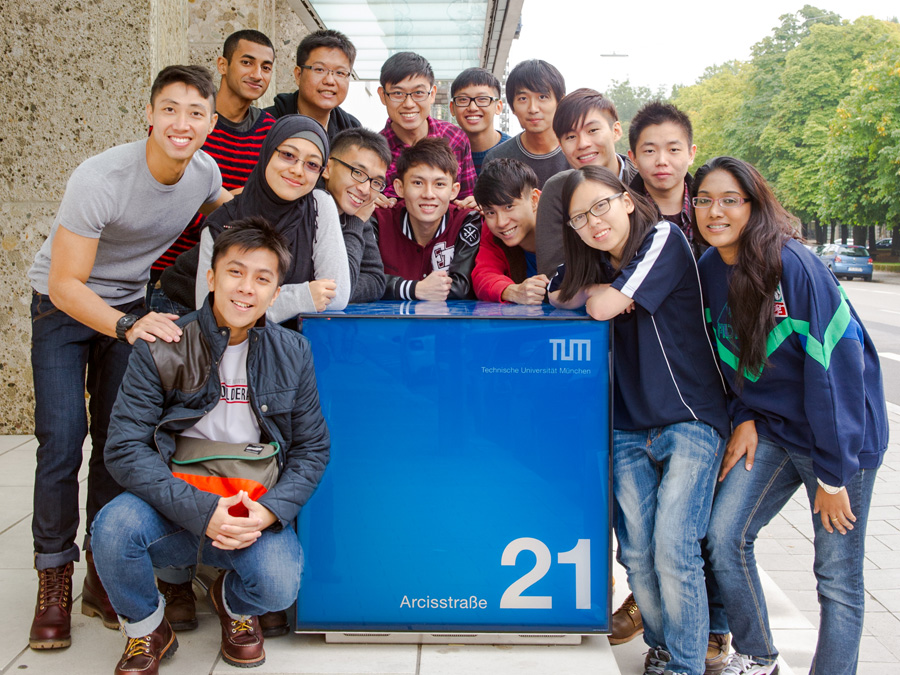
(830, 489)
(123, 324)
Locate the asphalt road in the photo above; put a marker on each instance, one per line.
(878, 304)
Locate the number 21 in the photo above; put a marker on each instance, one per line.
(580, 556)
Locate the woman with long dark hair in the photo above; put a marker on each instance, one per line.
(807, 408)
(669, 418)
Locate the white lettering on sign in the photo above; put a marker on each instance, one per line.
(571, 350)
(580, 556)
(472, 602)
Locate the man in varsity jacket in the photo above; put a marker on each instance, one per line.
(246, 66)
(427, 244)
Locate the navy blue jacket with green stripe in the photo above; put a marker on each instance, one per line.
(821, 391)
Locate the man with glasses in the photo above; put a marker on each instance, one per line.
(355, 177)
(324, 65)
(474, 100)
(407, 91)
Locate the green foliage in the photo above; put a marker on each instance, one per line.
(628, 100)
(817, 110)
(713, 104)
(860, 174)
(816, 77)
(769, 56)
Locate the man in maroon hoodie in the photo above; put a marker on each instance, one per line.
(428, 245)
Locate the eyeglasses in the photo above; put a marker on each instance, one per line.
(361, 176)
(723, 202)
(289, 157)
(578, 221)
(321, 71)
(480, 101)
(400, 96)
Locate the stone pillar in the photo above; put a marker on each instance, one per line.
(76, 82)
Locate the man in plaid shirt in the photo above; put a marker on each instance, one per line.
(407, 91)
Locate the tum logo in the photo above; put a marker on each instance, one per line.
(571, 350)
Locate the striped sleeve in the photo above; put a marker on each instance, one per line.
(657, 268)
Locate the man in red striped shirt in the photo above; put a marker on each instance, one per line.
(246, 67)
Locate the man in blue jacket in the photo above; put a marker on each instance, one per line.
(231, 378)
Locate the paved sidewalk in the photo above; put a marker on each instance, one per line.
(784, 553)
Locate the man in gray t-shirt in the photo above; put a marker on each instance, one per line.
(121, 209)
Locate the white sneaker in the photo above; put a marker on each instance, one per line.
(740, 664)
(655, 661)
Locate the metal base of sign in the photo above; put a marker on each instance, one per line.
(454, 638)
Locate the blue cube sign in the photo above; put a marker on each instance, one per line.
(468, 488)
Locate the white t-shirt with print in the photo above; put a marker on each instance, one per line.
(232, 420)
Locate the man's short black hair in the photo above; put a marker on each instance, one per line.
(475, 77)
(330, 39)
(574, 109)
(250, 35)
(431, 151)
(366, 139)
(535, 75)
(251, 234)
(502, 181)
(658, 112)
(197, 77)
(406, 64)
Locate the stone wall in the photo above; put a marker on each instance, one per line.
(75, 81)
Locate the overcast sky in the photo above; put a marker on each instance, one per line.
(666, 43)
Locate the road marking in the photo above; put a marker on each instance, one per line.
(872, 290)
(893, 408)
(889, 355)
(890, 311)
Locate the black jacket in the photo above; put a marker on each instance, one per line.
(286, 104)
(168, 386)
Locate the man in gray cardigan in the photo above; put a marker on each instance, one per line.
(355, 177)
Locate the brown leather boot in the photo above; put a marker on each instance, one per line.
(274, 624)
(626, 622)
(52, 625)
(94, 601)
(181, 609)
(717, 653)
(142, 655)
(242, 639)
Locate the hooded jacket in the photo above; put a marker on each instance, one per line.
(169, 386)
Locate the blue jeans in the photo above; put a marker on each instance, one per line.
(130, 538)
(664, 480)
(746, 502)
(158, 301)
(62, 351)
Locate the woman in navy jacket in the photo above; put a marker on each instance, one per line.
(807, 408)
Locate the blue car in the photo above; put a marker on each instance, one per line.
(847, 261)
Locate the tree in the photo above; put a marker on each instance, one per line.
(860, 174)
(768, 60)
(713, 105)
(816, 77)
